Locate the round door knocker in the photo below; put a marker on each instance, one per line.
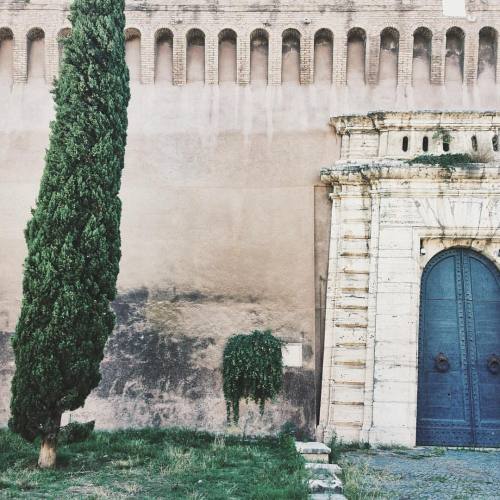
(441, 363)
(494, 364)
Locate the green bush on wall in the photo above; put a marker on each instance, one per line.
(252, 369)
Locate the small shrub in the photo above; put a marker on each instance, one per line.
(76, 432)
(288, 429)
(252, 369)
(441, 134)
(446, 160)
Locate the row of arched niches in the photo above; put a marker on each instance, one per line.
(294, 56)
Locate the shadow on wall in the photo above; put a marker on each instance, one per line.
(133, 53)
(36, 55)
(227, 56)
(6, 55)
(259, 57)
(356, 57)
(323, 56)
(422, 54)
(195, 56)
(164, 56)
(290, 63)
(487, 58)
(389, 56)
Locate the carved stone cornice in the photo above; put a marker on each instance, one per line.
(378, 122)
(378, 170)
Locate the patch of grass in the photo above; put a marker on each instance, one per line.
(471, 449)
(392, 447)
(150, 463)
(338, 447)
(359, 482)
(445, 160)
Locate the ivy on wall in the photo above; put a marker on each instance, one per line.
(445, 160)
(252, 369)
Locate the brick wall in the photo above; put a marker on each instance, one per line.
(307, 18)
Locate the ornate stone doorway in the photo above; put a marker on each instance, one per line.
(390, 218)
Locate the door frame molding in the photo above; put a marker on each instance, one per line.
(427, 243)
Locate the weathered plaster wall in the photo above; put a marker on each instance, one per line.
(226, 224)
(218, 238)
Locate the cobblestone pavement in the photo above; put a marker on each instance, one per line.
(422, 473)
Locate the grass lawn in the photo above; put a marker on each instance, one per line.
(150, 463)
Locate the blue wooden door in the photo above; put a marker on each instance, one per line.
(459, 351)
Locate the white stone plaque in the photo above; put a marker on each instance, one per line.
(292, 355)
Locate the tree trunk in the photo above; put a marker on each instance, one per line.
(47, 457)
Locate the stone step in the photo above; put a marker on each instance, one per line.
(330, 485)
(331, 469)
(313, 451)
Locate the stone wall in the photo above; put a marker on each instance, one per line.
(226, 223)
(384, 29)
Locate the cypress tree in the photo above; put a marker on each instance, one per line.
(73, 236)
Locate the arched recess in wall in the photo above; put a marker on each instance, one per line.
(36, 54)
(133, 53)
(290, 56)
(323, 56)
(227, 56)
(259, 56)
(487, 57)
(356, 56)
(6, 58)
(164, 56)
(422, 56)
(195, 56)
(454, 67)
(61, 37)
(389, 55)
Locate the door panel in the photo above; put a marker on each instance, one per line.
(459, 401)
(485, 302)
(443, 406)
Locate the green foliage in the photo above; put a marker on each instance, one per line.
(156, 463)
(289, 429)
(252, 369)
(443, 135)
(76, 432)
(73, 237)
(338, 448)
(445, 160)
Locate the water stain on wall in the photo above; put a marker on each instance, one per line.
(162, 365)
(422, 53)
(151, 352)
(227, 56)
(164, 56)
(36, 54)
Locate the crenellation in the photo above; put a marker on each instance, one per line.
(148, 19)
